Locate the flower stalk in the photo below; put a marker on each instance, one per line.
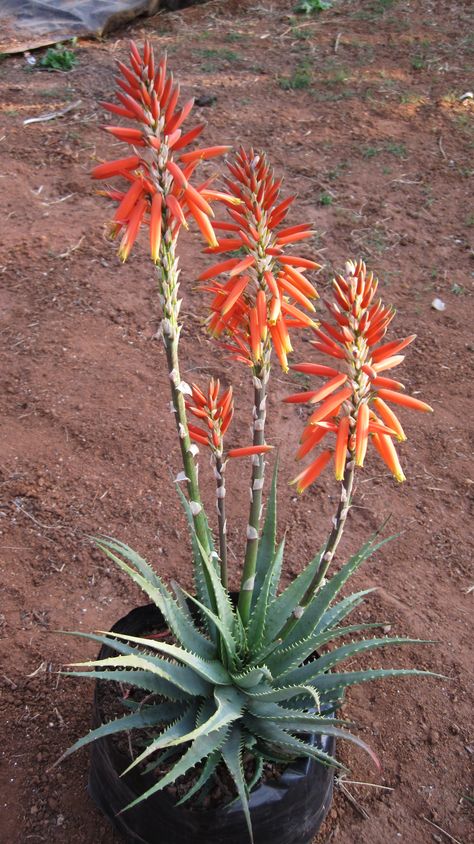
(260, 379)
(219, 466)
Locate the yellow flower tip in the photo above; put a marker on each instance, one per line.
(285, 369)
(400, 477)
(339, 476)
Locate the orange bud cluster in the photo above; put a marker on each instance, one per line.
(159, 192)
(353, 402)
(260, 298)
(216, 414)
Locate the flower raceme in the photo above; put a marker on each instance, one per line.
(159, 193)
(261, 297)
(215, 413)
(352, 404)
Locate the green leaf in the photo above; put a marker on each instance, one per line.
(202, 747)
(181, 676)
(231, 753)
(211, 670)
(310, 621)
(179, 727)
(267, 543)
(257, 775)
(278, 736)
(309, 672)
(229, 708)
(327, 684)
(179, 623)
(288, 717)
(342, 609)
(257, 620)
(281, 609)
(152, 716)
(221, 598)
(284, 693)
(251, 677)
(290, 658)
(227, 637)
(207, 772)
(145, 680)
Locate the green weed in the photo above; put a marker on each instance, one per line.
(325, 198)
(300, 78)
(309, 7)
(58, 58)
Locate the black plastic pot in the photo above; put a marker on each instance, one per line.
(289, 810)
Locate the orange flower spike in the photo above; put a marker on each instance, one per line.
(149, 97)
(348, 411)
(254, 187)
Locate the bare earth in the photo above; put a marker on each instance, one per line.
(360, 107)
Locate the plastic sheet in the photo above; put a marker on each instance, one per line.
(289, 810)
(28, 24)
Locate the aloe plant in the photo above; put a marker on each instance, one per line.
(252, 679)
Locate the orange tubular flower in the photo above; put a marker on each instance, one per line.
(354, 399)
(264, 289)
(159, 193)
(216, 414)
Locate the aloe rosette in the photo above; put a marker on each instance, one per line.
(222, 694)
(236, 685)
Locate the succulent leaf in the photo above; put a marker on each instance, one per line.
(207, 772)
(312, 616)
(179, 623)
(140, 679)
(257, 619)
(281, 609)
(200, 748)
(211, 670)
(179, 675)
(148, 717)
(232, 755)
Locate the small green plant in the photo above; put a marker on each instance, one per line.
(234, 37)
(394, 148)
(58, 58)
(458, 289)
(309, 7)
(370, 151)
(418, 63)
(325, 198)
(300, 78)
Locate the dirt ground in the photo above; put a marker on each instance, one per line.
(361, 107)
